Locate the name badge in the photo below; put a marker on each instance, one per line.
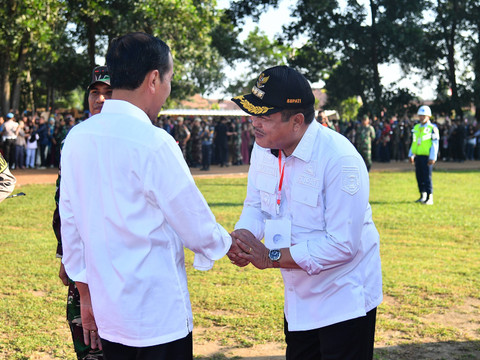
(278, 233)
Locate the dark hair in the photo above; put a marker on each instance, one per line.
(308, 113)
(132, 56)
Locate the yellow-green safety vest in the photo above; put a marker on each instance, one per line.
(422, 139)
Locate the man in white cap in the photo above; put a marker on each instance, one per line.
(307, 196)
(423, 152)
(9, 136)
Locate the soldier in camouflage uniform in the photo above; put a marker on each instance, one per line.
(196, 143)
(182, 135)
(364, 136)
(98, 91)
(236, 141)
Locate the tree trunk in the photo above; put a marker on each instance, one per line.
(5, 82)
(476, 81)
(452, 77)
(377, 89)
(22, 56)
(91, 30)
(29, 102)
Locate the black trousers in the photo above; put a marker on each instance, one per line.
(423, 172)
(348, 340)
(9, 148)
(181, 349)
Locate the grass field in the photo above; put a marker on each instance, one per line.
(430, 260)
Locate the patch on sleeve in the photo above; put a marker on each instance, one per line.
(350, 179)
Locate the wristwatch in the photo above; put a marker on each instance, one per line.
(275, 255)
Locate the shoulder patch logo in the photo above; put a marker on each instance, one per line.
(350, 179)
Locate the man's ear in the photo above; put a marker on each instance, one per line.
(298, 121)
(153, 77)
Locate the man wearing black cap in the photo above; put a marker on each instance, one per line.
(307, 197)
(99, 90)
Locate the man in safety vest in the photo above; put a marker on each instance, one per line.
(423, 152)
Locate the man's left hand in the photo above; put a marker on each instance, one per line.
(90, 330)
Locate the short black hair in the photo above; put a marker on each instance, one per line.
(132, 56)
(308, 113)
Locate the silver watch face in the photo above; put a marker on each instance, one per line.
(274, 255)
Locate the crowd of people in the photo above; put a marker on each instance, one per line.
(33, 141)
(459, 139)
(30, 141)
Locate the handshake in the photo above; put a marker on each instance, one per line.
(247, 249)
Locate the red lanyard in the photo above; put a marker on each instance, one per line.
(281, 170)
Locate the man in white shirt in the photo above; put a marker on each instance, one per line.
(9, 136)
(129, 206)
(307, 197)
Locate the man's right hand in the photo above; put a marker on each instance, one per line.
(235, 249)
(62, 274)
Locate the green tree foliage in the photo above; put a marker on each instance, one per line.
(357, 39)
(26, 26)
(345, 45)
(46, 46)
(349, 108)
(472, 47)
(259, 53)
(185, 25)
(444, 33)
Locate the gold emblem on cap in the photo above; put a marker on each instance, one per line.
(262, 79)
(250, 108)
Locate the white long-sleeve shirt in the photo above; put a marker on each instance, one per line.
(129, 206)
(333, 238)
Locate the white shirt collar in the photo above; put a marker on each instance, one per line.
(113, 106)
(304, 149)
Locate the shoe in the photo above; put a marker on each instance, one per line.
(423, 197)
(429, 200)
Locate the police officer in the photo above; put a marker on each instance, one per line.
(7, 180)
(423, 152)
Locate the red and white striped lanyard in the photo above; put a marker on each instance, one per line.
(281, 170)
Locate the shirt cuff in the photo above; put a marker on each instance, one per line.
(302, 258)
(81, 276)
(255, 227)
(202, 263)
